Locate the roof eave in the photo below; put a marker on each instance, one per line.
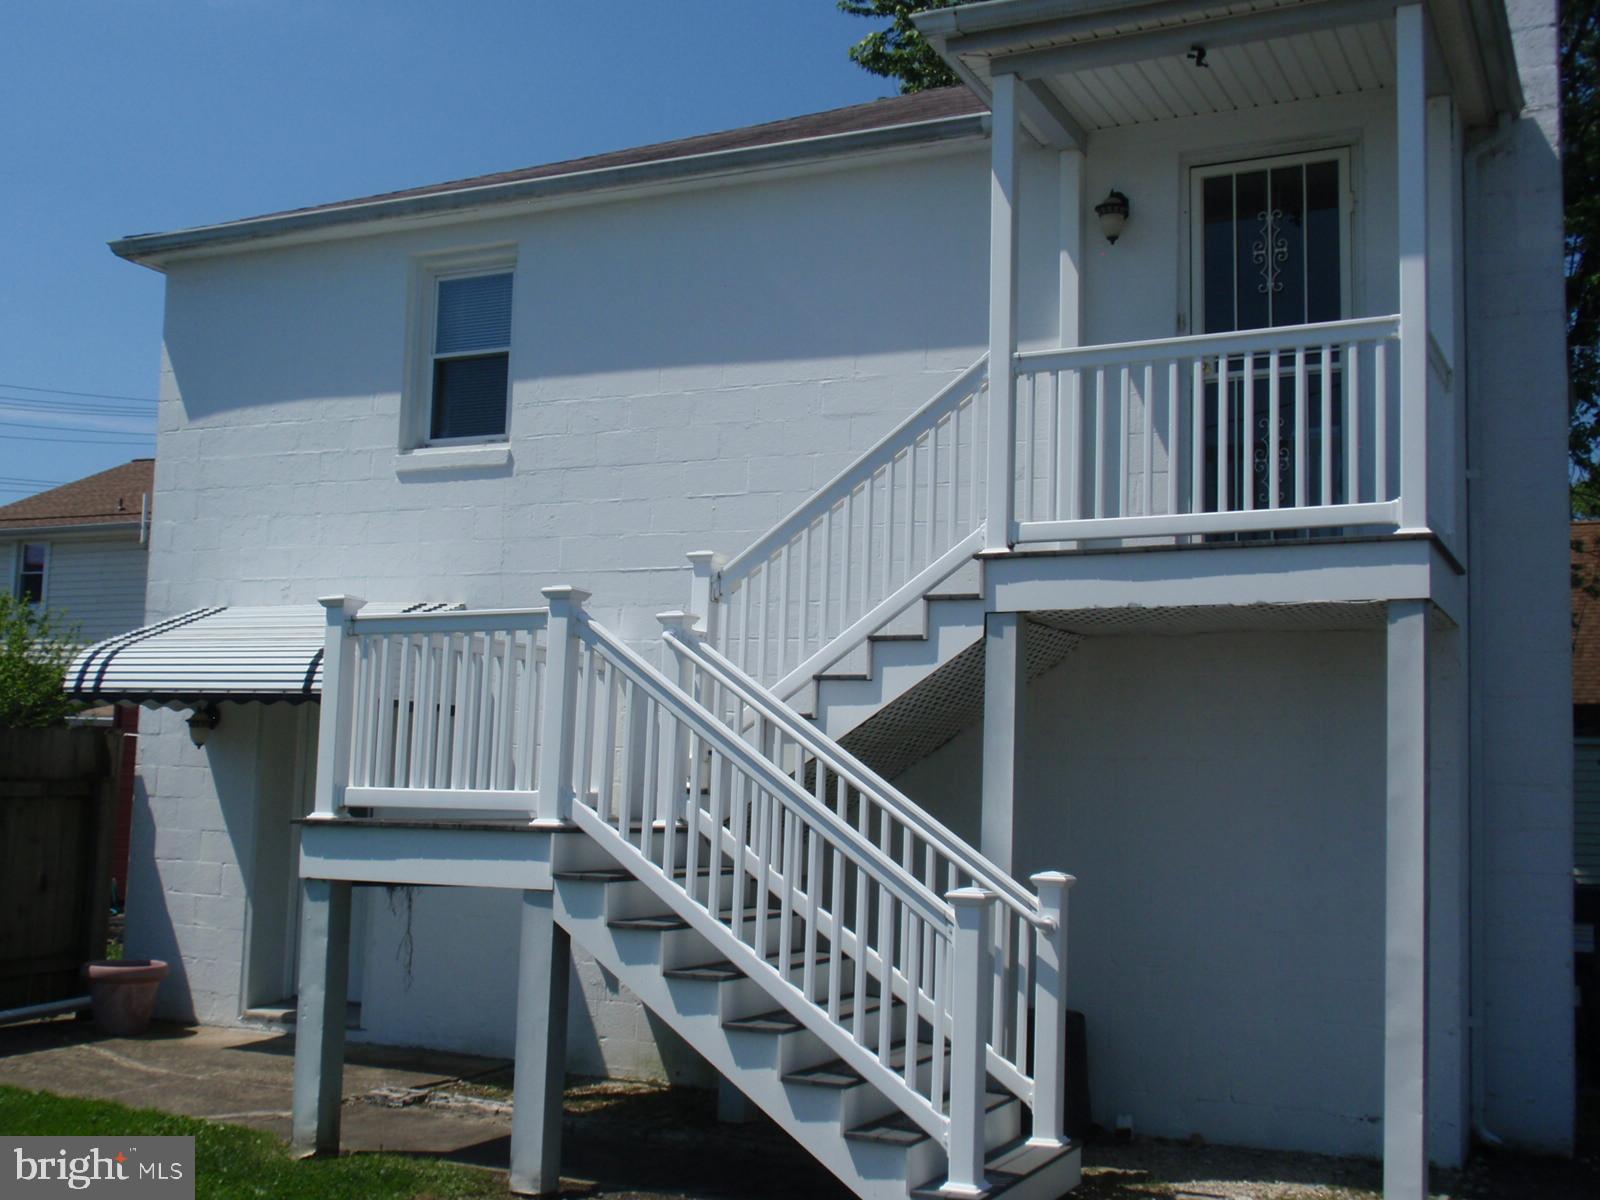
(156, 249)
(68, 527)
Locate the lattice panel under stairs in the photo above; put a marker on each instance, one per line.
(1183, 620)
(914, 725)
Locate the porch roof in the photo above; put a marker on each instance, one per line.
(1100, 64)
(208, 655)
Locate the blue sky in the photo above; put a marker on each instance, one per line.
(129, 116)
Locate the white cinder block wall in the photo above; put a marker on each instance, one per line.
(686, 369)
(1221, 798)
(1521, 631)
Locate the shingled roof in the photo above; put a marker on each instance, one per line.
(931, 105)
(107, 498)
(922, 116)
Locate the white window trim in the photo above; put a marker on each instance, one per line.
(416, 408)
(18, 557)
(1192, 165)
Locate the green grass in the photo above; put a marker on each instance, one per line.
(231, 1161)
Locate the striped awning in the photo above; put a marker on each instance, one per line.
(212, 654)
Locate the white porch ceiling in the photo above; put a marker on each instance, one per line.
(1111, 63)
(1311, 66)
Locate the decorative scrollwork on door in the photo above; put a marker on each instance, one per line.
(1270, 251)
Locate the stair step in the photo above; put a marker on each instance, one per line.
(1010, 1165)
(723, 971)
(857, 675)
(664, 922)
(897, 1129)
(619, 875)
(782, 1021)
(840, 1076)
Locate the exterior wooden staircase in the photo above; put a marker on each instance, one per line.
(889, 997)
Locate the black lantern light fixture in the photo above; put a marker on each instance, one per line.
(201, 722)
(1113, 214)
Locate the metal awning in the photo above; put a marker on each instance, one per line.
(207, 655)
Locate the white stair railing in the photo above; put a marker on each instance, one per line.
(830, 898)
(833, 929)
(1257, 431)
(446, 707)
(868, 545)
(1025, 942)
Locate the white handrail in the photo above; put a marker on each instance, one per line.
(858, 775)
(801, 859)
(720, 738)
(1275, 337)
(863, 548)
(892, 442)
(1249, 432)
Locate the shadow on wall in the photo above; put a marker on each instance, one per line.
(150, 932)
(786, 271)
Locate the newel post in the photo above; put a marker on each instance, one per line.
(706, 565)
(336, 720)
(674, 740)
(1003, 185)
(1050, 1010)
(560, 702)
(971, 1000)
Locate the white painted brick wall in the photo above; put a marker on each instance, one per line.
(686, 370)
(1221, 800)
(1520, 609)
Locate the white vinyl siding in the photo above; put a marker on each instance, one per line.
(97, 585)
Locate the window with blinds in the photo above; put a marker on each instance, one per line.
(471, 356)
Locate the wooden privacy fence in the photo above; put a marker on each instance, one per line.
(56, 790)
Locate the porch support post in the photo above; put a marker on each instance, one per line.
(1003, 187)
(560, 702)
(1071, 171)
(1411, 115)
(1005, 681)
(338, 697)
(320, 1017)
(543, 973)
(1405, 1023)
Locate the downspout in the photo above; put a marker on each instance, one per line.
(1476, 818)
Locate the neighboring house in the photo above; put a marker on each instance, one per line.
(1080, 458)
(81, 549)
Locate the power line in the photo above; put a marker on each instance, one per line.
(26, 437)
(26, 387)
(85, 407)
(132, 433)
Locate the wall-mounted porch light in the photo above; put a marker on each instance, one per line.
(1113, 214)
(201, 722)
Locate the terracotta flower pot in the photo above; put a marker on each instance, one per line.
(122, 993)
